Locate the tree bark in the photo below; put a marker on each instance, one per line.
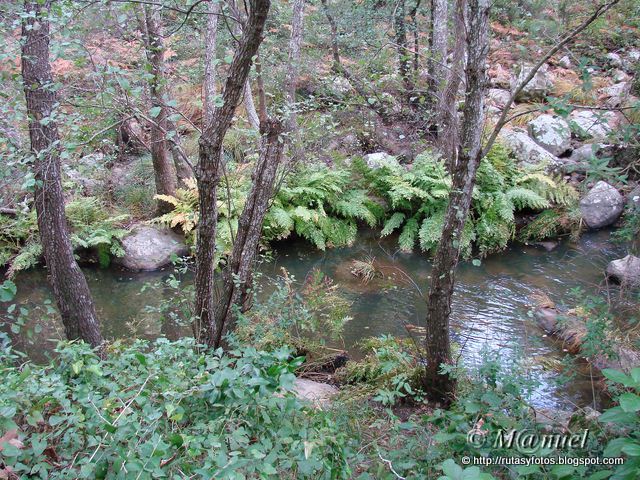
(69, 285)
(441, 387)
(291, 78)
(250, 107)
(404, 54)
(238, 272)
(210, 42)
(439, 39)
(164, 168)
(446, 110)
(209, 168)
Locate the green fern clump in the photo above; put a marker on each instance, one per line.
(91, 227)
(417, 199)
(319, 204)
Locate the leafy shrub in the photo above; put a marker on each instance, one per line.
(162, 409)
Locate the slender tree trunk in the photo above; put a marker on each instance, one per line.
(416, 42)
(438, 347)
(404, 54)
(164, 168)
(250, 107)
(291, 78)
(238, 272)
(210, 42)
(69, 285)
(447, 111)
(209, 168)
(439, 39)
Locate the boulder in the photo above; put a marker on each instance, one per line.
(380, 159)
(615, 95)
(614, 59)
(625, 270)
(589, 124)
(539, 86)
(150, 248)
(498, 97)
(585, 152)
(631, 61)
(527, 151)
(565, 62)
(602, 206)
(317, 393)
(500, 77)
(620, 76)
(552, 133)
(633, 199)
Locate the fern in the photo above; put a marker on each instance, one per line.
(409, 235)
(392, 223)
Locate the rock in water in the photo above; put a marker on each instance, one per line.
(551, 133)
(150, 248)
(602, 206)
(625, 270)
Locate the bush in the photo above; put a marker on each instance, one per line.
(161, 409)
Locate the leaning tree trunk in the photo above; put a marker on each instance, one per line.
(441, 387)
(69, 285)
(238, 272)
(439, 39)
(164, 168)
(209, 168)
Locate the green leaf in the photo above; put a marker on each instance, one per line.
(618, 377)
(451, 469)
(155, 111)
(8, 291)
(629, 402)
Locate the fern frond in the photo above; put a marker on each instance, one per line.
(525, 198)
(408, 236)
(393, 223)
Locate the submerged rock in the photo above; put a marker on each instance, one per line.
(625, 270)
(149, 248)
(552, 133)
(602, 206)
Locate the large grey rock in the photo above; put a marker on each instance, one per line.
(150, 248)
(616, 95)
(588, 124)
(625, 270)
(585, 152)
(614, 59)
(527, 151)
(498, 97)
(317, 393)
(539, 86)
(380, 159)
(602, 206)
(551, 133)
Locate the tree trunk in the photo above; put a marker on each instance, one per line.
(250, 107)
(164, 168)
(238, 272)
(446, 111)
(210, 41)
(291, 78)
(404, 55)
(438, 348)
(209, 169)
(439, 39)
(69, 285)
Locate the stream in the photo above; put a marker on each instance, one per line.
(490, 310)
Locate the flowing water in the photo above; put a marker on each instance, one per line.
(491, 307)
